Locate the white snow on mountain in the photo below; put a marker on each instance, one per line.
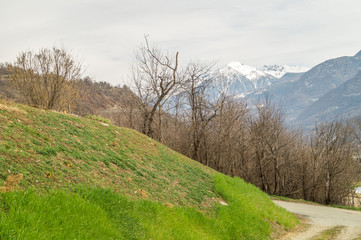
(251, 73)
(239, 80)
(254, 73)
(279, 70)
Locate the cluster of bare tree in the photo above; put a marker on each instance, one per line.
(174, 106)
(45, 79)
(322, 166)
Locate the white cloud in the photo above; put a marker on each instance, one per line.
(106, 32)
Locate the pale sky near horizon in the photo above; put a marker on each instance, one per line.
(105, 33)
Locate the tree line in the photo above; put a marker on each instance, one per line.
(173, 104)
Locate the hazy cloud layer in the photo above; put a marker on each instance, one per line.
(105, 32)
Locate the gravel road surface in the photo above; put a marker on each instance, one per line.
(322, 218)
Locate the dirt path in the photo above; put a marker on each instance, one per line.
(322, 218)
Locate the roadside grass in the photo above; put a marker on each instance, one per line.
(294, 200)
(69, 214)
(55, 215)
(244, 198)
(347, 207)
(329, 234)
(313, 203)
(76, 168)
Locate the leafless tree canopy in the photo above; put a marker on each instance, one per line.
(45, 78)
(155, 76)
(334, 154)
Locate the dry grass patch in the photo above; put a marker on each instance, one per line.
(12, 182)
(11, 108)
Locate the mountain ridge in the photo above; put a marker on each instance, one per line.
(297, 92)
(343, 102)
(318, 81)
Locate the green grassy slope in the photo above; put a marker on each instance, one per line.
(87, 179)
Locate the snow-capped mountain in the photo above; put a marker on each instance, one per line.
(279, 71)
(329, 89)
(249, 72)
(239, 79)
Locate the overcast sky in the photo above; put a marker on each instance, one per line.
(105, 33)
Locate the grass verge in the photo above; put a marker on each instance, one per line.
(313, 203)
(70, 214)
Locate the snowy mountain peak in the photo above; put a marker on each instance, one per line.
(240, 79)
(279, 70)
(252, 73)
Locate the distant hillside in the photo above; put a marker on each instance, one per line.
(277, 90)
(97, 97)
(155, 193)
(307, 97)
(343, 102)
(318, 81)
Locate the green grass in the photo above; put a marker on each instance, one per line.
(98, 118)
(84, 179)
(98, 213)
(55, 215)
(347, 207)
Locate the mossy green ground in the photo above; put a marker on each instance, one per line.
(86, 179)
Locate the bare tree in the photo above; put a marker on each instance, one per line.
(154, 76)
(271, 143)
(200, 108)
(45, 78)
(228, 146)
(334, 151)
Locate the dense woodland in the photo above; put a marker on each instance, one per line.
(170, 102)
